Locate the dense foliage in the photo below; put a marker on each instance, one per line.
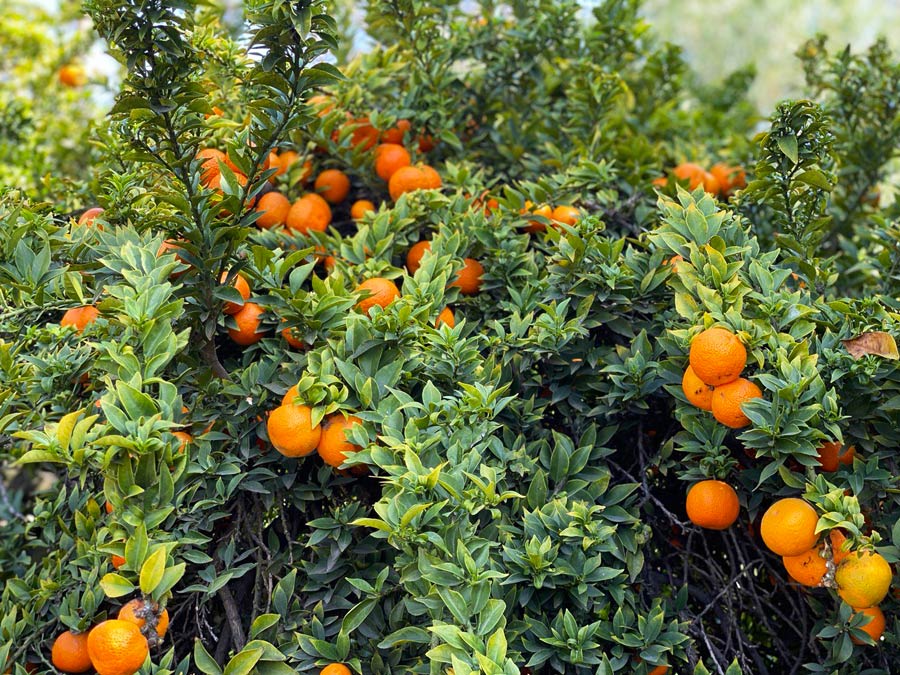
(517, 502)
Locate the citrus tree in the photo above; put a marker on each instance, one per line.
(504, 347)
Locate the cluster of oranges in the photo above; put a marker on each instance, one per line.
(713, 379)
(712, 382)
(721, 179)
(114, 647)
(862, 577)
(568, 215)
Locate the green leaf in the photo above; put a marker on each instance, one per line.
(115, 585)
(153, 569)
(243, 662)
(204, 662)
(354, 618)
(788, 145)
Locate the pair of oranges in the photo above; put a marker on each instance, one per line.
(292, 433)
(713, 379)
(114, 647)
(721, 179)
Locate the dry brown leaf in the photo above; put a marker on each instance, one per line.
(877, 343)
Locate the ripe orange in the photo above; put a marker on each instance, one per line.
(696, 176)
(89, 216)
(72, 75)
(445, 317)
(184, 439)
(291, 431)
(396, 133)
(288, 335)
(727, 400)
(209, 167)
(333, 185)
(717, 356)
(215, 183)
(69, 652)
(273, 208)
(659, 670)
(875, 627)
(364, 135)
(863, 579)
(248, 325)
(240, 283)
(335, 669)
(117, 648)
(389, 157)
(788, 527)
(80, 317)
(468, 281)
(360, 208)
(807, 568)
(544, 210)
(117, 561)
(290, 395)
(333, 445)
(566, 214)
(712, 504)
(285, 160)
(426, 142)
(696, 390)
(139, 612)
(833, 454)
(309, 213)
(382, 292)
(410, 178)
(414, 255)
(108, 506)
(729, 177)
(837, 543)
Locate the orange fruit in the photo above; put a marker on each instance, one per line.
(544, 210)
(117, 648)
(138, 612)
(382, 292)
(863, 579)
(837, 542)
(240, 283)
(788, 527)
(273, 208)
(660, 182)
(389, 157)
(309, 213)
(333, 185)
(727, 400)
(286, 159)
(426, 142)
(411, 178)
(295, 342)
(712, 504)
(673, 261)
(72, 75)
(729, 177)
(659, 670)
(215, 183)
(291, 431)
(290, 395)
(360, 208)
(333, 445)
(109, 507)
(807, 568)
(445, 317)
(696, 176)
(696, 390)
(117, 561)
(184, 438)
(566, 214)
(875, 627)
(335, 669)
(468, 280)
(89, 216)
(248, 325)
(396, 133)
(80, 317)
(717, 356)
(364, 135)
(69, 652)
(414, 255)
(209, 167)
(833, 454)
